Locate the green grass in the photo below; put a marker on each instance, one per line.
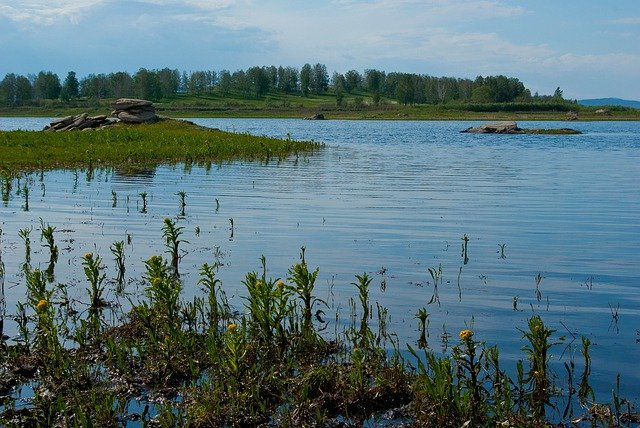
(138, 145)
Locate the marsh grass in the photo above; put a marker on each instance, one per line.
(135, 146)
(269, 363)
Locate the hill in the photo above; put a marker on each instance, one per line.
(610, 102)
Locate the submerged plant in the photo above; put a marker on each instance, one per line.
(183, 204)
(303, 284)
(423, 316)
(25, 192)
(171, 234)
(47, 235)
(25, 235)
(117, 249)
(537, 352)
(143, 195)
(465, 242)
(93, 272)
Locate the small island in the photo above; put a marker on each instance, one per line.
(511, 127)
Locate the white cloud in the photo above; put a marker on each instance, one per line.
(630, 20)
(47, 13)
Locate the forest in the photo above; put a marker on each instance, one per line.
(257, 82)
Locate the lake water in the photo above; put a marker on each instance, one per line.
(393, 199)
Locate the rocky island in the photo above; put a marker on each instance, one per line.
(511, 127)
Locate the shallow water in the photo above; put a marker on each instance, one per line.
(393, 199)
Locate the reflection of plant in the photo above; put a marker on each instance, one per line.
(436, 276)
(422, 316)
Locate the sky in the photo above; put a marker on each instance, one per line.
(588, 48)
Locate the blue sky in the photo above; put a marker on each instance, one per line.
(589, 48)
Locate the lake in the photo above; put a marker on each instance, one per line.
(553, 228)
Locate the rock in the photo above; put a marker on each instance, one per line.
(509, 127)
(512, 128)
(130, 103)
(137, 117)
(317, 116)
(131, 110)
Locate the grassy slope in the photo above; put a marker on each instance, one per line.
(137, 145)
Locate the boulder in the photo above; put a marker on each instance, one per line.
(132, 110)
(317, 116)
(130, 103)
(506, 127)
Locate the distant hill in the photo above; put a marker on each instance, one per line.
(610, 102)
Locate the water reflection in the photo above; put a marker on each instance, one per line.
(470, 229)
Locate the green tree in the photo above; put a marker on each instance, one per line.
(320, 79)
(70, 87)
(258, 80)
(47, 86)
(305, 79)
(225, 82)
(557, 95)
(353, 80)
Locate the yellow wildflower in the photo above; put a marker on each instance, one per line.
(42, 305)
(466, 335)
(232, 327)
(280, 284)
(88, 255)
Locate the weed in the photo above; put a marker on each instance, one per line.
(436, 277)
(465, 243)
(537, 352)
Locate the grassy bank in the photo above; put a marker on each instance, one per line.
(138, 145)
(359, 105)
(202, 362)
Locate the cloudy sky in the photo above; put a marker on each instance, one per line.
(590, 48)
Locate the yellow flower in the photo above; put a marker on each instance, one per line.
(42, 305)
(88, 255)
(232, 327)
(280, 284)
(466, 335)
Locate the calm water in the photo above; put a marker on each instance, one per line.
(393, 199)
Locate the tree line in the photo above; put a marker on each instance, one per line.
(256, 82)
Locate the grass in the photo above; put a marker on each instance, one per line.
(136, 146)
(269, 363)
(358, 105)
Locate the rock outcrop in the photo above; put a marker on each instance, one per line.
(510, 127)
(128, 110)
(132, 110)
(80, 122)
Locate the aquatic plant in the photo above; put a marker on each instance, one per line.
(183, 204)
(171, 234)
(117, 249)
(143, 195)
